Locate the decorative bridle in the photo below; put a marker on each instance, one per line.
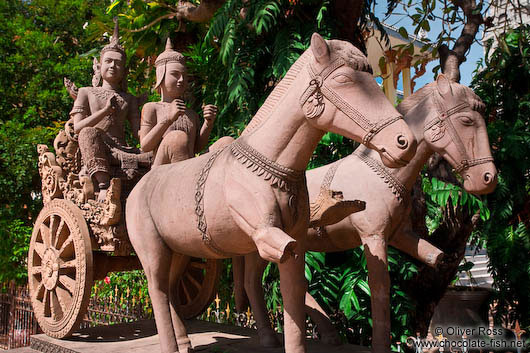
(318, 89)
(443, 122)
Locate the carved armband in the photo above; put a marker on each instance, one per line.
(77, 109)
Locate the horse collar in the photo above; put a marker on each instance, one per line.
(398, 189)
(286, 179)
(313, 96)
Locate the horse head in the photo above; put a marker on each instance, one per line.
(458, 133)
(340, 90)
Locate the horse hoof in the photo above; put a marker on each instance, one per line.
(268, 338)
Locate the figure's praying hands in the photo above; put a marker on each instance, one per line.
(111, 106)
(210, 113)
(176, 109)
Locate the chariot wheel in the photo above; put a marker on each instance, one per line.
(60, 271)
(197, 286)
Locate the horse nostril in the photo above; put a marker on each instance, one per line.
(488, 178)
(402, 141)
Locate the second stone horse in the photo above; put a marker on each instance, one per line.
(252, 195)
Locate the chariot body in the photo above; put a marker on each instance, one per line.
(77, 240)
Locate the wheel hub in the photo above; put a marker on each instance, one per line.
(50, 265)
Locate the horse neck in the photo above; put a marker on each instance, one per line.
(280, 131)
(286, 136)
(416, 118)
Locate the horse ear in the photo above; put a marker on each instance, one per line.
(444, 85)
(320, 48)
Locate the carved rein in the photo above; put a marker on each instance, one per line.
(443, 121)
(318, 89)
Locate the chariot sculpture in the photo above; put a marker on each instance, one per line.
(80, 235)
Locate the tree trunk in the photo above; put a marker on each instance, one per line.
(348, 13)
(429, 286)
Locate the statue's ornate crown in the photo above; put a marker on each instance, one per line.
(169, 55)
(114, 44)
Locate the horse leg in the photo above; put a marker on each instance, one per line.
(293, 286)
(328, 334)
(238, 271)
(375, 249)
(155, 257)
(178, 267)
(408, 242)
(254, 267)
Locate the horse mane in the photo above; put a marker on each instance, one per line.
(353, 57)
(411, 101)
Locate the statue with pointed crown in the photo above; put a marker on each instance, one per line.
(168, 128)
(99, 115)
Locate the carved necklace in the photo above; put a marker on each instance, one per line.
(104, 94)
(398, 189)
(284, 178)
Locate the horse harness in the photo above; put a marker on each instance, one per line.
(284, 178)
(443, 122)
(313, 95)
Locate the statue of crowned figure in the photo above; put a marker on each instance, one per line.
(168, 130)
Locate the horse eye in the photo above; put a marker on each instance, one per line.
(340, 78)
(467, 120)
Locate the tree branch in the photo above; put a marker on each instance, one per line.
(450, 60)
(202, 13)
(186, 11)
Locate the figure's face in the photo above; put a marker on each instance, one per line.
(112, 67)
(175, 79)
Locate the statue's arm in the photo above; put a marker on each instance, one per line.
(152, 130)
(210, 113)
(81, 112)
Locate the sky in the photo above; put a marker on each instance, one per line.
(466, 68)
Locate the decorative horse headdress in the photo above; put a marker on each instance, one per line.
(167, 56)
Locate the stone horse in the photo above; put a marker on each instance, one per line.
(252, 195)
(445, 118)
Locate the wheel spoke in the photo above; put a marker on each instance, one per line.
(201, 265)
(58, 233)
(56, 310)
(65, 245)
(47, 309)
(65, 298)
(53, 229)
(40, 248)
(68, 283)
(68, 264)
(36, 270)
(45, 234)
(193, 280)
(186, 292)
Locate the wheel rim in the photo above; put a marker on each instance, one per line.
(197, 286)
(60, 268)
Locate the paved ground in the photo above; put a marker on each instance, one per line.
(141, 337)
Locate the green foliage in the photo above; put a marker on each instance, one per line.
(123, 287)
(15, 251)
(503, 83)
(39, 45)
(439, 194)
(339, 282)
